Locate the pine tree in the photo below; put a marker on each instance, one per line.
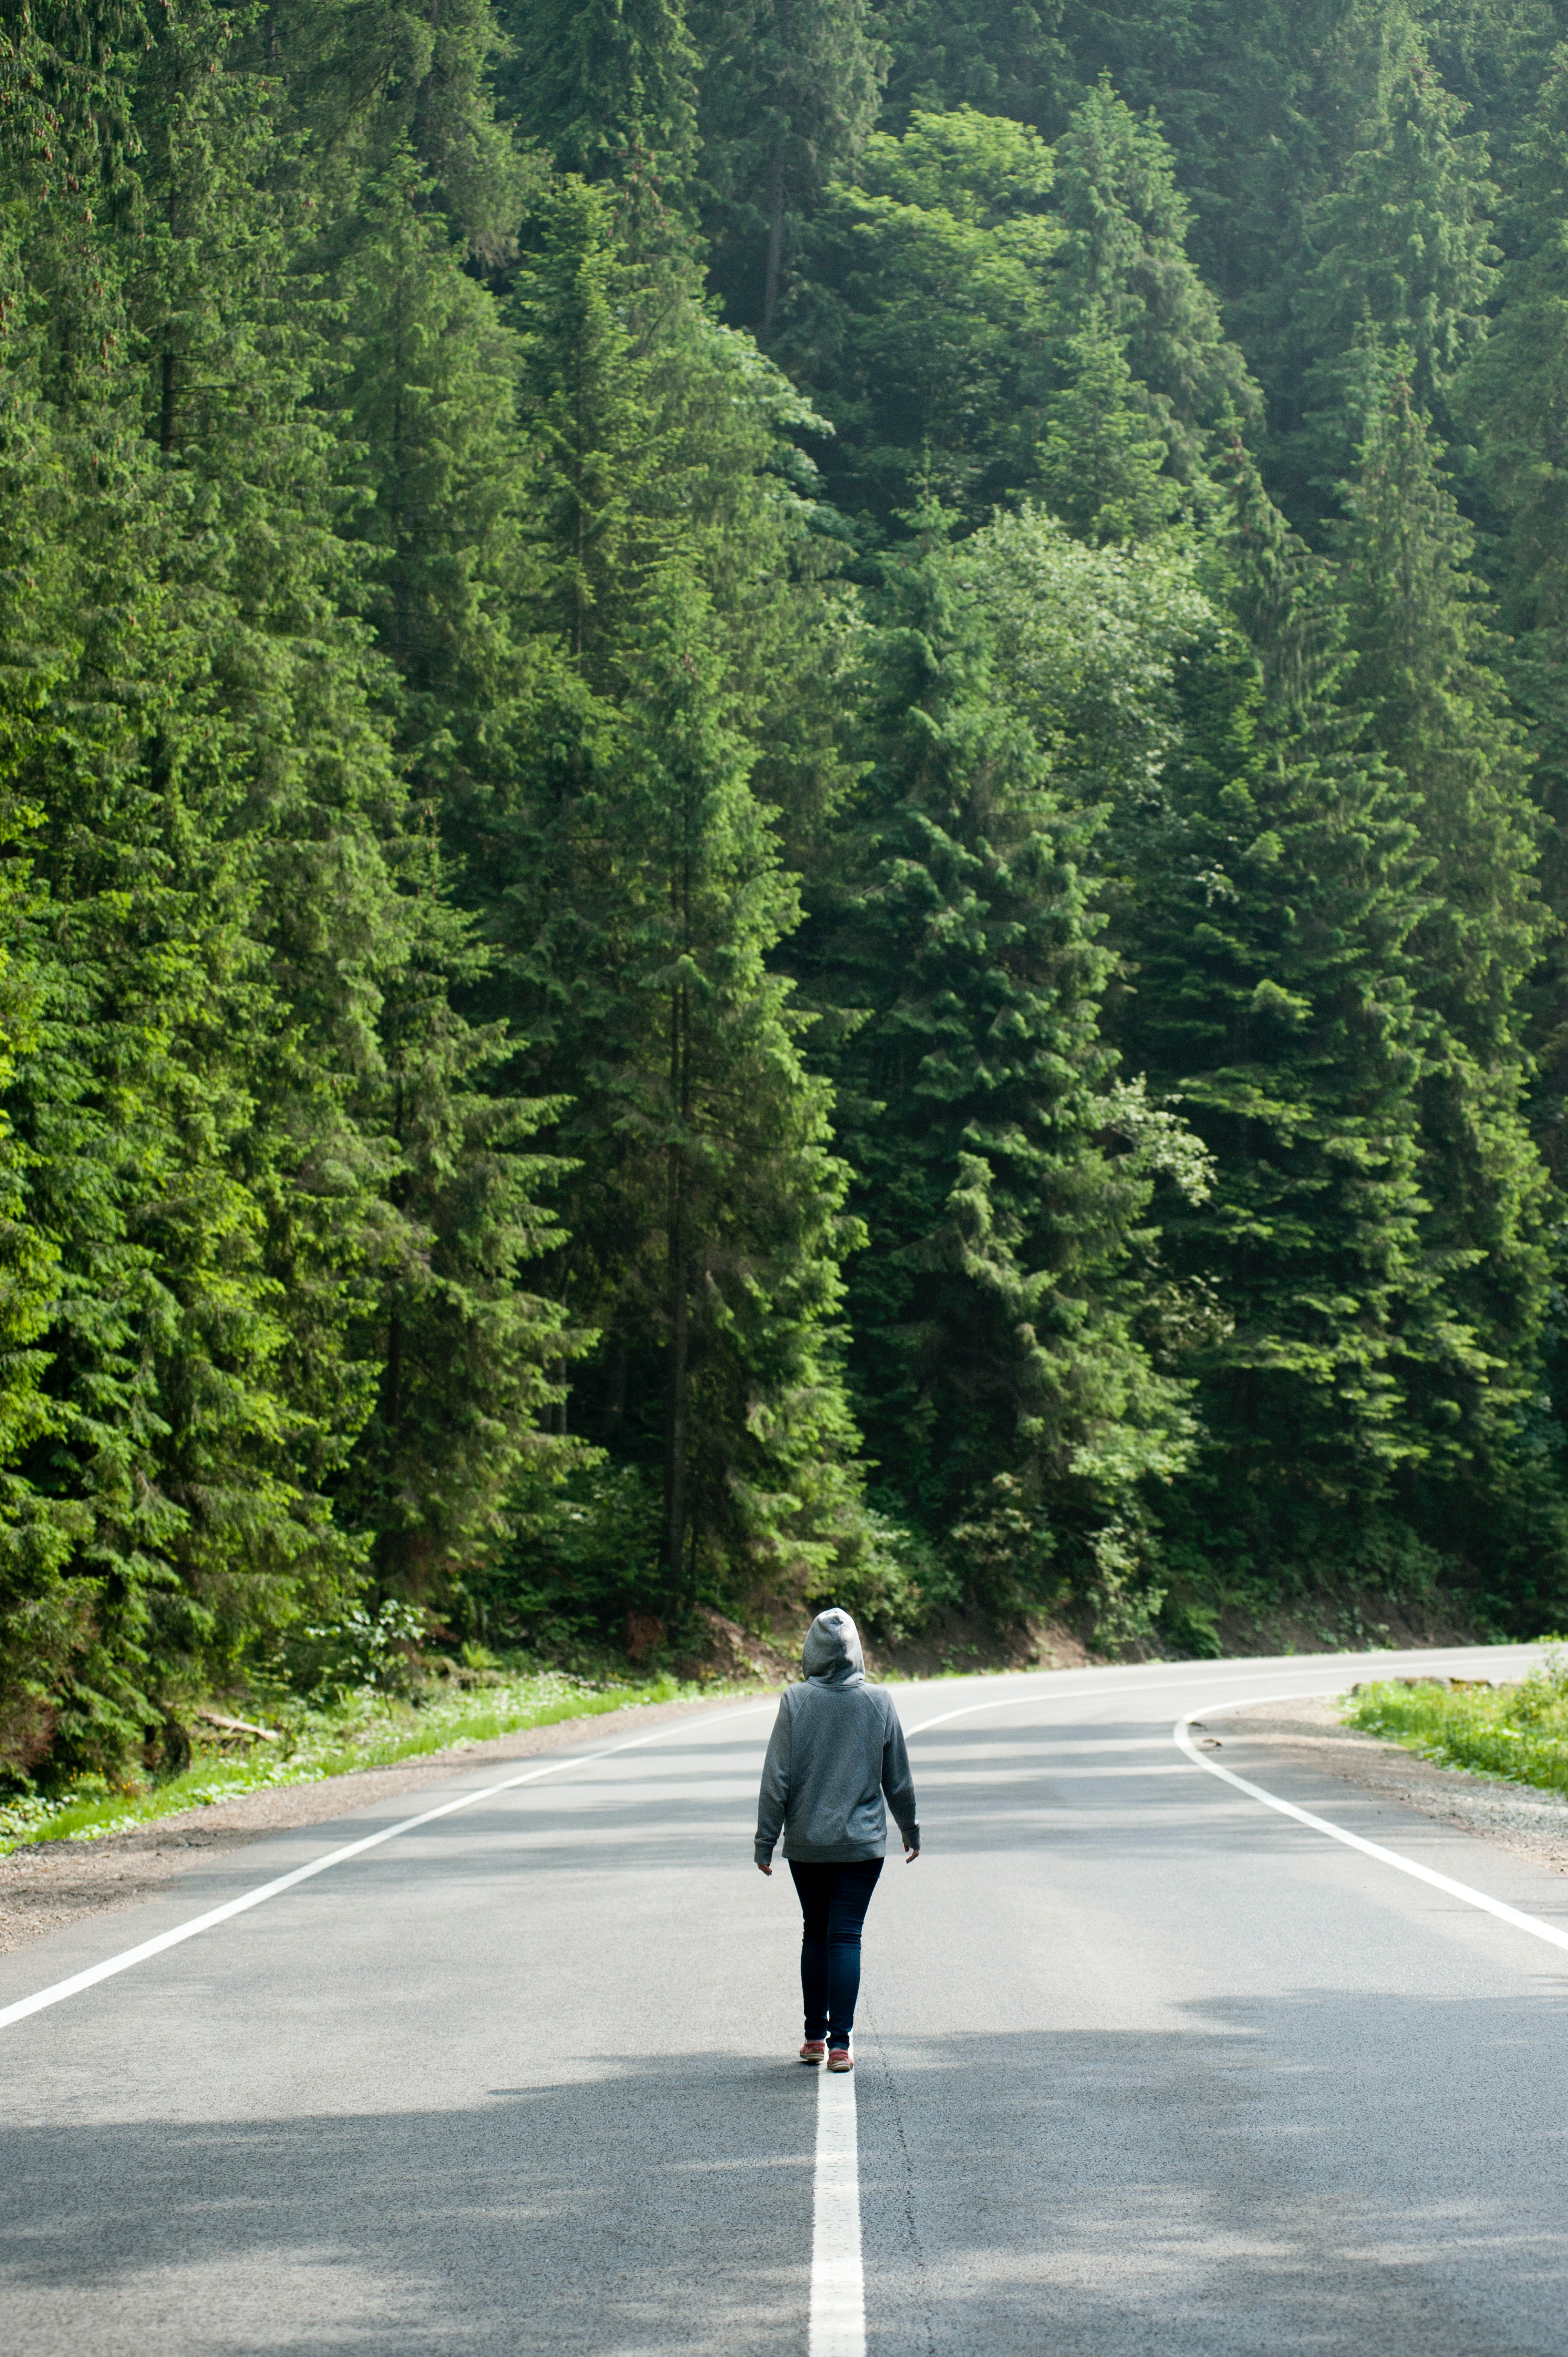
(1276, 999)
(928, 343)
(1399, 246)
(167, 1455)
(790, 90)
(948, 54)
(609, 90)
(41, 1612)
(384, 84)
(429, 392)
(470, 1359)
(1103, 463)
(1124, 271)
(207, 1116)
(1011, 1410)
(1510, 396)
(633, 885)
(1421, 639)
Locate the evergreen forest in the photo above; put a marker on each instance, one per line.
(783, 818)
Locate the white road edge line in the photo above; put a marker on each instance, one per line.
(837, 2326)
(59, 1990)
(1497, 1907)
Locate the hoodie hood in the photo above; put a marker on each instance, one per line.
(830, 1655)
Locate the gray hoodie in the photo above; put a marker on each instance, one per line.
(837, 1747)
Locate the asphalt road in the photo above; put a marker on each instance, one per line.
(1146, 2070)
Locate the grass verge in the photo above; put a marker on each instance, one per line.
(1519, 1732)
(364, 1729)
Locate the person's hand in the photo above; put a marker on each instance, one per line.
(763, 1869)
(910, 1855)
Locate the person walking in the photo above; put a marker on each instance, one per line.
(836, 1748)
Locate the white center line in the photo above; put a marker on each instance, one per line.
(838, 2285)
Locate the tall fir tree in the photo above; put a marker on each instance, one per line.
(926, 335)
(1399, 247)
(384, 80)
(607, 91)
(226, 916)
(175, 1451)
(1511, 400)
(634, 888)
(789, 91)
(1010, 1407)
(1420, 637)
(1124, 271)
(1276, 998)
(1102, 464)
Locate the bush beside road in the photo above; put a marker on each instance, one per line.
(1517, 1731)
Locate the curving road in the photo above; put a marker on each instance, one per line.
(1146, 2069)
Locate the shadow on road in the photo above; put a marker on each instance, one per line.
(1347, 2177)
(1344, 2176)
(662, 2207)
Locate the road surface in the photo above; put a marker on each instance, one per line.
(1146, 2069)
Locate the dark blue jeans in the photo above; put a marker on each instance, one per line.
(834, 1900)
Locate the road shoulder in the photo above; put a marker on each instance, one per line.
(50, 1886)
(1304, 1732)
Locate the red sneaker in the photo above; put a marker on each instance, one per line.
(840, 2059)
(813, 2049)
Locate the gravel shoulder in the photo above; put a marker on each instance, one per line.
(48, 1885)
(1305, 1732)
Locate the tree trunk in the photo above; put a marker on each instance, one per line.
(393, 1391)
(166, 402)
(422, 110)
(678, 1379)
(775, 240)
(675, 1485)
(678, 1363)
(617, 1366)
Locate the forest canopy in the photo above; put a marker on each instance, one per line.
(781, 819)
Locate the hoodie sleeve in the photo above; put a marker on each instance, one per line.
(897, 1782)
(773, 1799)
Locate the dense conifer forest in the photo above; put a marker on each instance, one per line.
(783, 801)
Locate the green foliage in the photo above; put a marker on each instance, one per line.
(637, 972)
(1126, 272)
(1517, 1731)
(1438, 711)
(971, 294)
(1511, 398)
(633, 884)
(1278, 893)
(606, 89)
(226, 915)
(790, 90)
(1401, 245)
(925, 329)
(999, 1381)
(1102, 464)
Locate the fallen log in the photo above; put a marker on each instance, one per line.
(237, 1725)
